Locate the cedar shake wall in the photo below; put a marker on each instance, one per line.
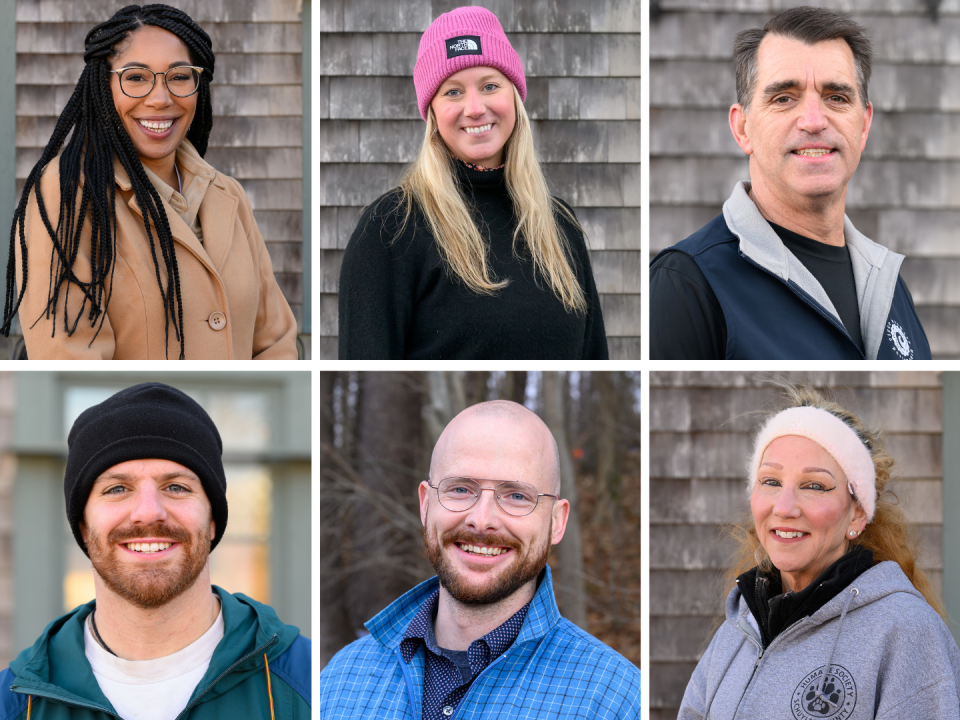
(257, 126)
(582, 64)
(700, 439)
(906, 192)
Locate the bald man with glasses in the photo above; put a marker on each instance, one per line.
(484, 638)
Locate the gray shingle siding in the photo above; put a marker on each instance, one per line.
(906, 192)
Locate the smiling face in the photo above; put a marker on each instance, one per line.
(158, 122)
(806, 126)
(803, 509)
(476, 114)
(147, 526)
(483, 554)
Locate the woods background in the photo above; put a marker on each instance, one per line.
(702, 426)
(906, 192)
(377, 431)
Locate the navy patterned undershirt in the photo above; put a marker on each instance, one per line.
(447, 676)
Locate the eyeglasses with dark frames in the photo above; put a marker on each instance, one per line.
(516, 498)
(137, 82)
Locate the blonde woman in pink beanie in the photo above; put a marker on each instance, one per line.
(470, 257)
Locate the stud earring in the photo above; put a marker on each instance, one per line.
(853, 533)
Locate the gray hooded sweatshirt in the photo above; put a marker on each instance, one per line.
(876, 650)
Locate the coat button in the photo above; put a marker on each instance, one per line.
(217, 320)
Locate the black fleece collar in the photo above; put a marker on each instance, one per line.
(776, 610)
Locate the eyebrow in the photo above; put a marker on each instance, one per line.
(127, 477)
(137, 64)
(776, 88)
(811, 469)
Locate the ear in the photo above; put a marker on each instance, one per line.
(867, 121)
(213, 529)
(424, 491)
(738, 126)
(859, 520)
(561, 513)
(83, 531)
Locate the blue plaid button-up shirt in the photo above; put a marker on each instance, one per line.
(443, 683)
(552, 670)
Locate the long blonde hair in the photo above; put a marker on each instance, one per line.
(430, 182)
(888, 535)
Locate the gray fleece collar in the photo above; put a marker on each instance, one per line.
(875, 268)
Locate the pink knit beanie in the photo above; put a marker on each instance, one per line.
(463, 38)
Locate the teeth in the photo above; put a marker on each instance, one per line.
(813, 152)
(483, 550)
(788, 535)
(482, 128)
(157, 126)
(148, 547)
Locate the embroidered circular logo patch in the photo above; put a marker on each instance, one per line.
(899, 339)
(827, 692)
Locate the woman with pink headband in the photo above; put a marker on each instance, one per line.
(470, 257)
(830, 616)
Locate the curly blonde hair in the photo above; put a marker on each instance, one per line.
(888, 535)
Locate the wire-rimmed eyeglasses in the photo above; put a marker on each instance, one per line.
(516, 498)
(137, 82)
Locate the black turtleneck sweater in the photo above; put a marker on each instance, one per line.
(398, 301)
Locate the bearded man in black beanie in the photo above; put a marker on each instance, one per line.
(146, 500)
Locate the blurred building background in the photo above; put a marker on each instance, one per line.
(701, 435)
(264, 422)
(582, 64)
(377, 432)
(261, 104)
(906, 192)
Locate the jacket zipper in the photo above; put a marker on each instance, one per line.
(823, 313)
(53, 696)
(759, 656)
(273, 640)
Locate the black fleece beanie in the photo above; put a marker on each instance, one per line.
(144, 422)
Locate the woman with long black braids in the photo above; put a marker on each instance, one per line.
(127, 244)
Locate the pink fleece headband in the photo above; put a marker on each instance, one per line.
(463, 38)
(833, 435)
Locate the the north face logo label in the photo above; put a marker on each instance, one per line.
(829, 692)
(463, 45)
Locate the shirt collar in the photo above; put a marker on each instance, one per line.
(420, 630)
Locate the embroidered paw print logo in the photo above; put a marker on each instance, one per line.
(827, 693)
(901, 343)
(820, 701)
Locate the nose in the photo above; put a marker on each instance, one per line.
(484, 516)
(474, 106)
(786, 505)
(812, 118)
(158, 96)
(148, 508)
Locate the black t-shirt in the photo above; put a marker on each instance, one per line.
(686, 320)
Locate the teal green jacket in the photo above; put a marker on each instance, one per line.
(55, 677)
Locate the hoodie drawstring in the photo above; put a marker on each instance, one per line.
(29, 699)
(269, 691)
(851, 594)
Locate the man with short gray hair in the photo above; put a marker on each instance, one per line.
(783, 273)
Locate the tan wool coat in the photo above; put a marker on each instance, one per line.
(232, 305)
